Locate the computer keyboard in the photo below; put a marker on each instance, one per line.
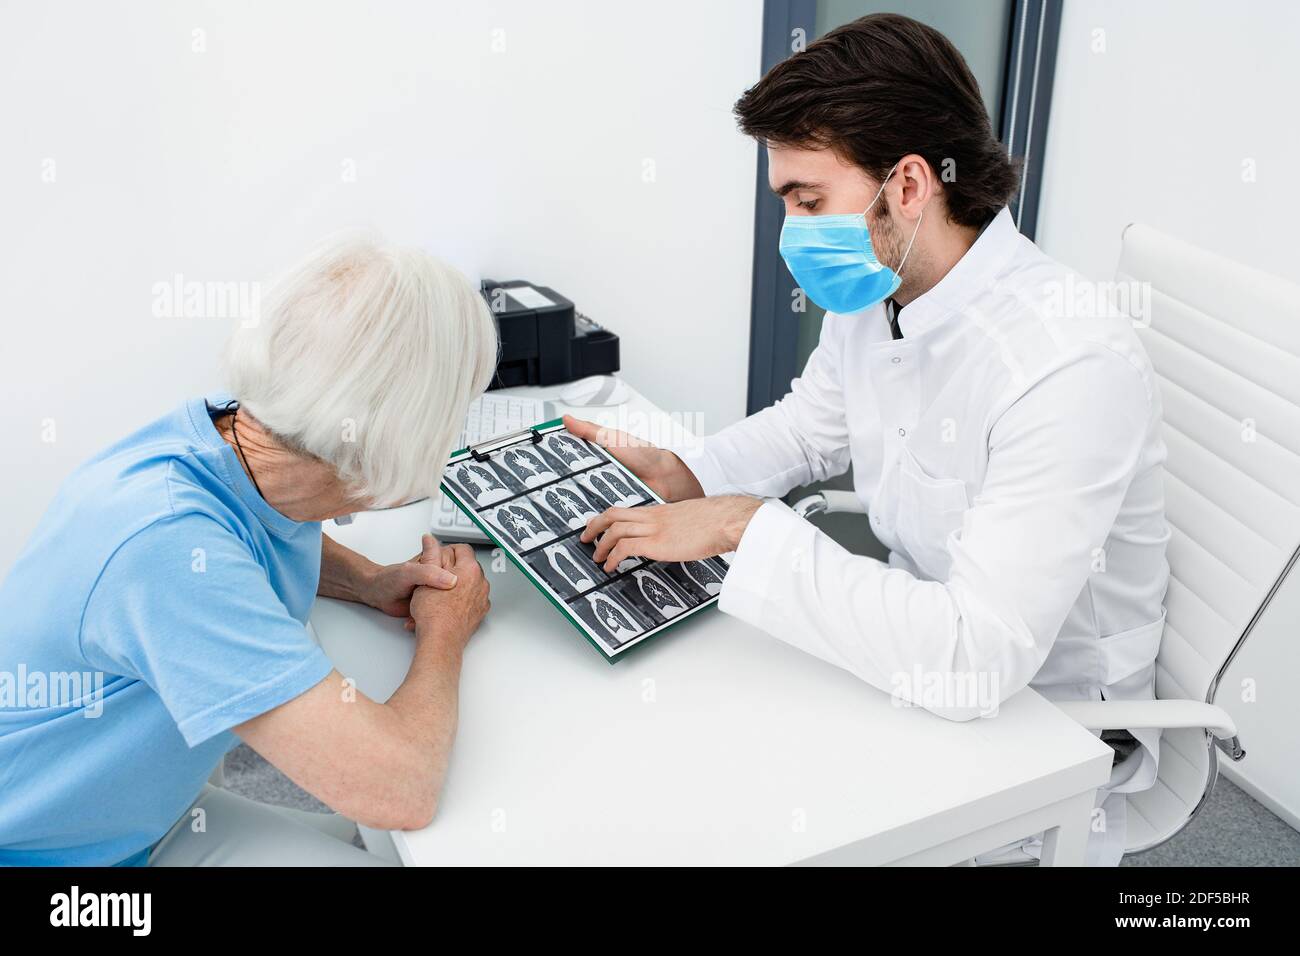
(488, 416)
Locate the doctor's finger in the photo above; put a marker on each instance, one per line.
(617, 532)
(598, 524)
(605, 437)
(581, 427)
(644, 546)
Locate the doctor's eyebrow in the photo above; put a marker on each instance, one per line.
(793, 184)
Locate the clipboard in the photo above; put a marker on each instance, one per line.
(532, 492)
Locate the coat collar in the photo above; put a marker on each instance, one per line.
(974, 275)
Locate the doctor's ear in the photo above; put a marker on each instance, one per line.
(914, 183)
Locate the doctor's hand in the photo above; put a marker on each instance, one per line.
(663, 471)
(684, 531)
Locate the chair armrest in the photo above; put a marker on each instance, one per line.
(1159, 714)
(829, 502)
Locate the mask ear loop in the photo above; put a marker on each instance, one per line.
(908, 250)
(919, 219)
(880, 190)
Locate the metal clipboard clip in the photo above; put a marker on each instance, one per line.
(479, 452)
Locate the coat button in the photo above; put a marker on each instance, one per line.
(896, 360)
(902, 432)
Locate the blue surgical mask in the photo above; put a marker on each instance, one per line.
(832, 260)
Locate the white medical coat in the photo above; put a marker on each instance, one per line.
(1008, 452)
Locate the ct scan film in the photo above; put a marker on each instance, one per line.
(534, 496)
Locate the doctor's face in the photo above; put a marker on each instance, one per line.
(817, 182)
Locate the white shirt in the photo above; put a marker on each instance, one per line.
(1009, 456)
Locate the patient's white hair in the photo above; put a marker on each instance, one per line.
(366, 356)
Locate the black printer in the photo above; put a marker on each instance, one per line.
(544, 339)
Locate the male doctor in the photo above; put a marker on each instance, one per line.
(1005, 446)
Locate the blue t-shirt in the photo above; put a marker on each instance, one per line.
(160, 602)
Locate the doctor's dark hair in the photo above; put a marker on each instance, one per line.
(877, 89)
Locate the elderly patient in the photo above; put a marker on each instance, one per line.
(181, 563)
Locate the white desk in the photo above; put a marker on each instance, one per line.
(711, 744)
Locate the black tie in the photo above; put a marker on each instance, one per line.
(892, 310)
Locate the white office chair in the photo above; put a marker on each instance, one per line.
(1225, 343)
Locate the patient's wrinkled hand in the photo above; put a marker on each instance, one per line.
(389, 588)
(452, 614)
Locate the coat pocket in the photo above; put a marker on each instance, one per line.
(1126, 653)
(930, 510)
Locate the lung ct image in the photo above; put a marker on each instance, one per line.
(482, 483)
(612, 487)
(523, 525)
(573, 452)
(651, 595)
(530, 465)
(566, 568)
(700, 579)
(614, 621)
(549, 507)
(571, 506)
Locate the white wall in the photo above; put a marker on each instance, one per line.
(1159, 128)
(523, 162)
